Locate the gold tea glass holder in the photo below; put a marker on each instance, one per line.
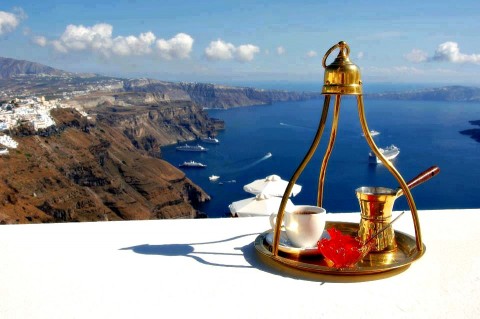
(342, 77)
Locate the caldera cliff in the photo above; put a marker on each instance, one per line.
(83, 170)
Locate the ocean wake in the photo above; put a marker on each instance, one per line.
(248, 166)
(296, 126)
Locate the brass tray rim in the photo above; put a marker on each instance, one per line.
(264, 248)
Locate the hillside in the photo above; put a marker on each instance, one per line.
(12, 67)
(89, 171)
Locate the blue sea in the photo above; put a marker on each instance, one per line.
(426, 132)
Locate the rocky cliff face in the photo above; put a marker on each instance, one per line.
(149, 120)
(84, 171)
(224, 97)
(213, 95)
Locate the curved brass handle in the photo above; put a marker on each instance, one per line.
(342, 45)
(419, 179)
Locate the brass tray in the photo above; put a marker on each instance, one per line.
(405, 253)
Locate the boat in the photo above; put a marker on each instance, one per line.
(389, 152)
(211, 140)
(192, 148)
(3, 150)
(373, 133)
(268, 155)
(213, 178)
(192, 164)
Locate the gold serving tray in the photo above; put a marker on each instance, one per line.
(405, 254)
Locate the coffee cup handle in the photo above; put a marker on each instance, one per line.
(273, 220)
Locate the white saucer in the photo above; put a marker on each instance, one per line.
(286, 246)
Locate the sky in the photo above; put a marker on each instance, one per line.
(248, 40)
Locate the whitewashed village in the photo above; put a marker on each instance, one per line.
(35, 110)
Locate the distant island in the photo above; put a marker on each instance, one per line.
(454, 93)
(473, 132)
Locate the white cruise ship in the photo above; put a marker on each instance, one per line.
(372, 133)
(192, 164)
(210, 140)
(389, 152)
(214, 178)
(191, 148)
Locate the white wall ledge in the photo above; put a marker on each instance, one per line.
(209, 267)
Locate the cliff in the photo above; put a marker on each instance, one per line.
(148, 120)
(216, 96)
(85, 171)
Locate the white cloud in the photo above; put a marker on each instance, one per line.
(98, 39)
(220, 50)
(360, 55)
(311, 54)
(246, 52)
(131, 45)
(39, 40)
(178, 47)
(58, 46)
(449, 51)
(416, 56)
(280, 50)
(10, 21)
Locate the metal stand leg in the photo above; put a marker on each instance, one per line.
(328, 152)
(296, 174)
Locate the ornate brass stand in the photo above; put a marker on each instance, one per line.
(342, 77)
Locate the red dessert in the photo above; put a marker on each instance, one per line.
(343, 250)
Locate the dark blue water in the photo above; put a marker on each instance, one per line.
(427, 134)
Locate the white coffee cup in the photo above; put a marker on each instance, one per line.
(303, 225)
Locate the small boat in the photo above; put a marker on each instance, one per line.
(3, 150)
(191, 148)
(373, 133)
(268, 155)
(389, 152)
(214, 178)
(192, 164)
(211, 140)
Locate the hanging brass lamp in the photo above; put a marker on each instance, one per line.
(342, 77)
